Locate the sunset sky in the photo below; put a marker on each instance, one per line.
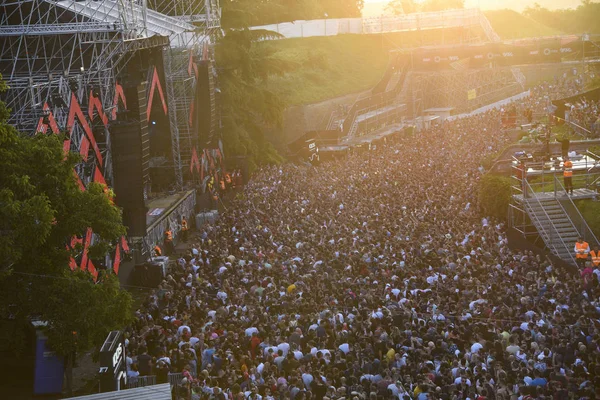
(375, 7)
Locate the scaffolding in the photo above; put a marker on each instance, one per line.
(464, 91)
(187, 49)
(59, 57)
(56, 54)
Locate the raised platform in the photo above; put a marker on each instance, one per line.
(159, 207)
(165, 213)
(154, 392)
(365, 139)
(578, 194)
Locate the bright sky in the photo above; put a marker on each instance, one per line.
(518, 5)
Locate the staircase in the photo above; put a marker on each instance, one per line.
(554, 226)
(553, 214)
(395, 79)
(212, 85)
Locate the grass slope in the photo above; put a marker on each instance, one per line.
(339, 65)
(509, 24)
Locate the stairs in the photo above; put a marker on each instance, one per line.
(554, 226)
(395, 79)
(213, 102)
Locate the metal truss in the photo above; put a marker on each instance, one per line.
(55, 53)
(181, 59)
(57, 58)
(464, 91)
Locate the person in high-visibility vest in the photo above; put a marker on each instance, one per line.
(157, 251)
(595, 254)
(184, 229)
(568, 175)
(582, 250)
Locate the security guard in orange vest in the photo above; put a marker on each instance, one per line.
(184, 229)
(582, 249)
(568, 175)
(595, 256)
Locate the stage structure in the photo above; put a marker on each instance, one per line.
(101, 72)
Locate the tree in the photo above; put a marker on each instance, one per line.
(248, 106)
(41, 209)
(399, 7)
(494, 195)
(440, 5)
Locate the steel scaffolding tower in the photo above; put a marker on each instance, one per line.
(187, 50)
(56, 54)
(56, 59)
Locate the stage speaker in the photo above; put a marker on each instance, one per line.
(147, 275)
(128, 176)
(130, 156)
(204, 102)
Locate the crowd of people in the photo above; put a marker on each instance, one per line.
(586, 114)
(371, 277)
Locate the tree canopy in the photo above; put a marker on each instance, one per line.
(398, 7)
(583, 19)
(264, 12)
(42, 212)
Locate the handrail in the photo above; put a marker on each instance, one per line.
(554, 233)
(576, 127)
(585, 232)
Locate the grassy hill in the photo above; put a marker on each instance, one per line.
(339, 65)
(510, 24)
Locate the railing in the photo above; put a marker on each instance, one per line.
(544, 182)
(576, 217)
(57, 29)
(175, 378)
(141, 381)
(578, 129)
(376, 100)
(551, 236)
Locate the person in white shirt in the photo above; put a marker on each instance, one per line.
(250, 331)
(307, 378)
(285, 347)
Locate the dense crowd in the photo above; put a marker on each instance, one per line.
(372, 277)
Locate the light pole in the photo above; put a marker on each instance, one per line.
(326, 15)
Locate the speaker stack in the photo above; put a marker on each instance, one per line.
(131, 155)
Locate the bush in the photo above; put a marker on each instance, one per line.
(487, 162)
(590, 210)
(494, 195)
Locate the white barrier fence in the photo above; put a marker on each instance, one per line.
(383, 24)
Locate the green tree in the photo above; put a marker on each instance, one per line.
(494, 195)
(264, 12)
(248, 106)
(583, 19)
(440, 5)
(41, 209)
(399, 7)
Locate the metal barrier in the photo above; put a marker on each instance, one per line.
(175, 378)
(141, 381)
